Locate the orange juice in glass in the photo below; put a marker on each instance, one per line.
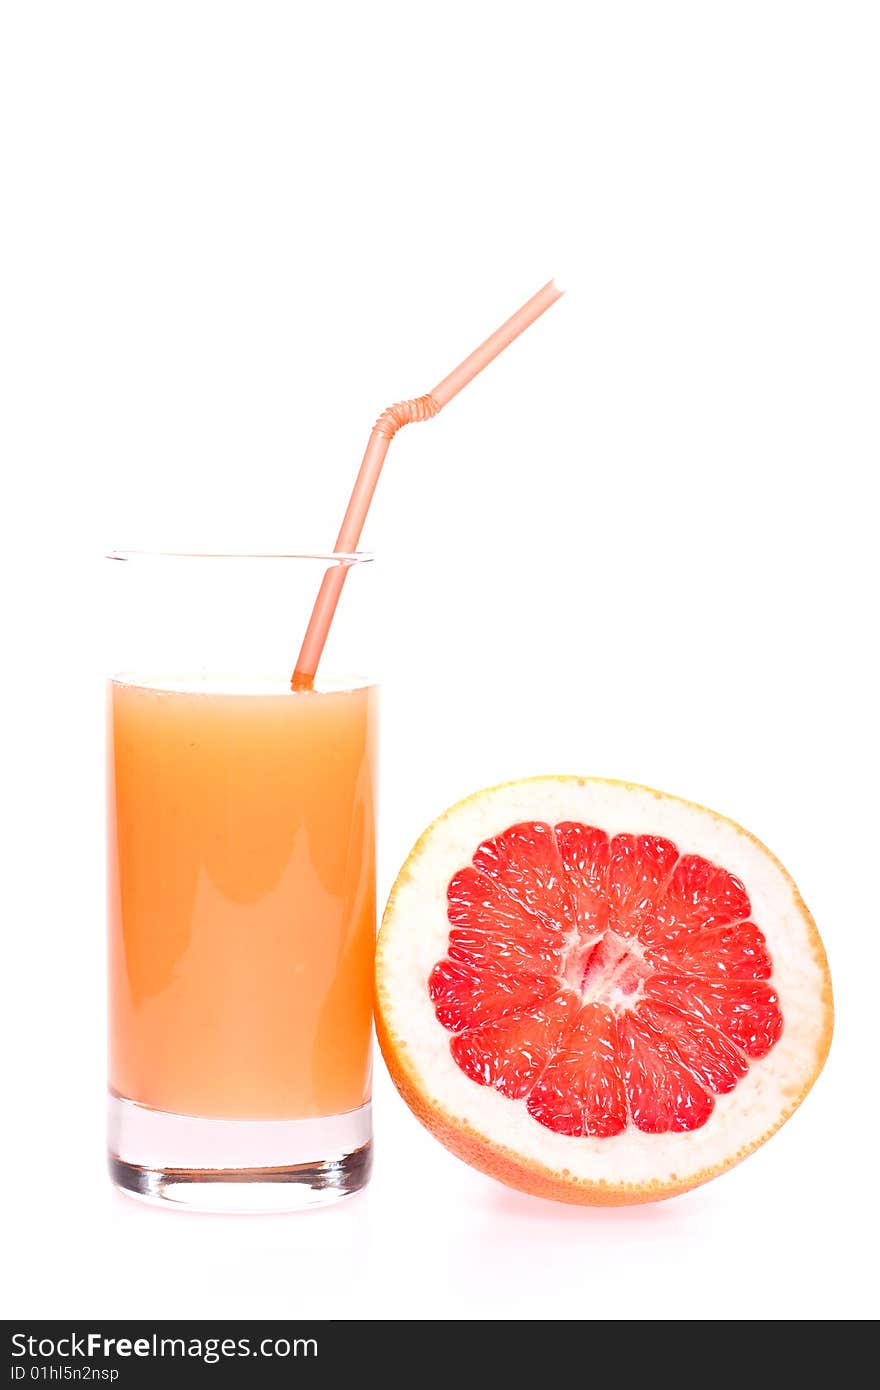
(241, 889)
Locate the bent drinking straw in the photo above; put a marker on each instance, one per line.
(384, 430)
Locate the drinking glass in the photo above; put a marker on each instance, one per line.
(241, 858)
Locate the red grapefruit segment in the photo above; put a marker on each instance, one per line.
(581, 1089)
(488, 926)
(738, 952)
(467, 996)
(747, 1011)
(714, 1060)
(512, 1052)
(524, 861)
(585, 853)
(702, 894)
(663, 1094)
(638, 870)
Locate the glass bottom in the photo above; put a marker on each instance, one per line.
(237, 1165)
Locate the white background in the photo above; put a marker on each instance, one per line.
(642, 545)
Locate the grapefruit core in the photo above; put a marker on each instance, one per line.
(597, 992)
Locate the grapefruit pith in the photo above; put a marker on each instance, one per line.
(597, 992)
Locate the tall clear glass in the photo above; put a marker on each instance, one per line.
(241, 903)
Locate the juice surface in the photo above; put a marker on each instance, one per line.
(241, 898)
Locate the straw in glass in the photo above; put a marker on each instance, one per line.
(384, 430)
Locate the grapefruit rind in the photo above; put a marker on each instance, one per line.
(496, 1134)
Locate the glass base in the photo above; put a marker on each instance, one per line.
(237, 1165)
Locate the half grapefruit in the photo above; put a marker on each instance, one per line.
(597, 992)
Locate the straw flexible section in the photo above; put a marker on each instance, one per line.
(384, 430)
(405, 413)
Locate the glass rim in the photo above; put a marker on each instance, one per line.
(331, 557)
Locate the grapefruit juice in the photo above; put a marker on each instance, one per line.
(241, 905)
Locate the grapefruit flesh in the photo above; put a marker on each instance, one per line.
(609, 999)
(603, 980)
